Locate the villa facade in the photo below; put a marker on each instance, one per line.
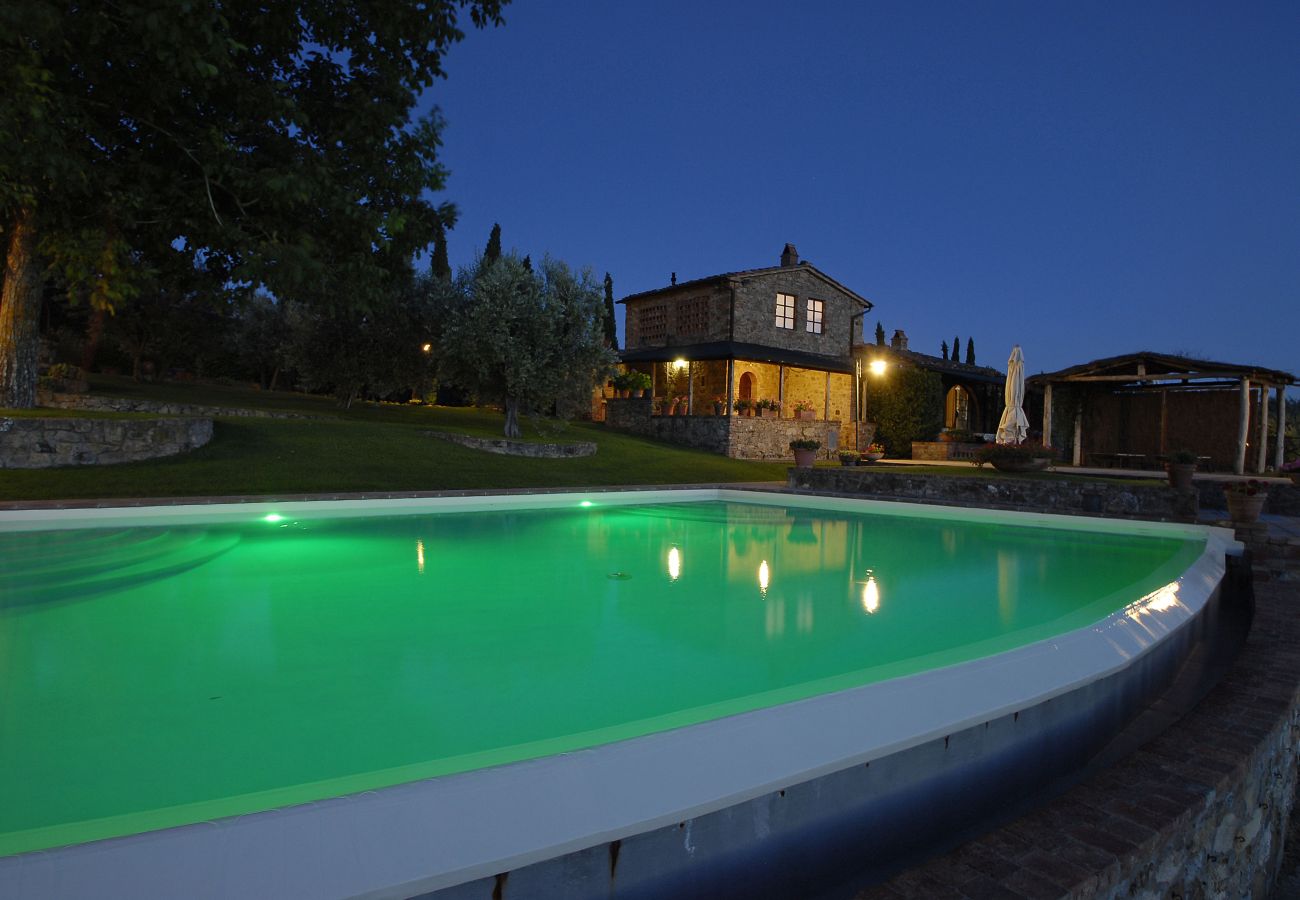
(714, 346)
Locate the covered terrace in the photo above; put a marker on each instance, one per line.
(1134, 410)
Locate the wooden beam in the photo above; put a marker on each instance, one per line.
(1243, 427)
(1261, 452)
(1170, 376)
(1281, 428)
(1047, 415)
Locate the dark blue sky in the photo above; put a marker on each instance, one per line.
(1083, 179)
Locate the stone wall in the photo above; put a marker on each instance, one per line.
(691, 314)
(508, 447)
(738, 436)
(756, 312)
(1058, 495)
(943, 450)
(96, 403)
(30, 443)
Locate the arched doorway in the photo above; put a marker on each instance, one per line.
(746, 389)
(957, 408)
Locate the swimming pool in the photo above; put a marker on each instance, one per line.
(174, 666)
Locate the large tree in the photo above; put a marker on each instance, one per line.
(532, 341)
(270, 145)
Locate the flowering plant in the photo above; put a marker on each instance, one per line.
(721, 398)
(1011, 453)
(769, 404)
(803, 406)
(1248, 488)
(742, 404)
(875, 448)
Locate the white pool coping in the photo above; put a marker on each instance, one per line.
(425, 835)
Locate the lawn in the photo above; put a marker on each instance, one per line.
(372, 447)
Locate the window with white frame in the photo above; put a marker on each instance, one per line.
(815, 316)
(785, 311)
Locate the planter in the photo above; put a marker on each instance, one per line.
(625, 394)
(868, 458)
(749, 414)
(771, 414)
(805, 414)
(639, 392)
(805, 458)
(1037, 464)
(1180, 475)
(1245, 508)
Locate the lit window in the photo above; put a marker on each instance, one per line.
(814, 316)
(785, 311)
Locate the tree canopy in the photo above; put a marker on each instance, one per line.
(272, 145)
(531, 340)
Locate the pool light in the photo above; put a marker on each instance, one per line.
(871, 595)
(585, 503)
(272, 517)
(674, 563)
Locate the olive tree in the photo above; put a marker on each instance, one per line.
(531, 340)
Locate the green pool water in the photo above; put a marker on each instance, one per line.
(157, 676)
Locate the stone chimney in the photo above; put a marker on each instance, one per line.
(899, 340)
(789, 256)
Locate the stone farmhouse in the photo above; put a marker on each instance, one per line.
(713, 346)
(789, 338)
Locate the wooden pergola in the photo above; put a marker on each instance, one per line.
(1143, 374)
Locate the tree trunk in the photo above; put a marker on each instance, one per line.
(512, 418)
(94, 334)
(275, 376)
(20, 308)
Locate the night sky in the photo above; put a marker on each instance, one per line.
(1083, 179)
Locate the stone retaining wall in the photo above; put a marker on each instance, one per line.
(743, 437)
(506, 447)
(30, 443)
(1057, 495)
(96, 403)
(943, 450)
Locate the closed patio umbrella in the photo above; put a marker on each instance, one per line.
(1014, 426)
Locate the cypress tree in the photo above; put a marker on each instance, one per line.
(611, 325)
(945, 349)
(440, 266)
(970, 351)
(956, 349)
(493, 250)
(880, 334)
(528, 263)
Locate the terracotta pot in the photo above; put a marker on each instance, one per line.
(719, 408)
(805, 414)
(1180, 475)
(749, 413)
(625, 393)
(805, 458)
(1245, 508)
(771, 414)
(639, 392)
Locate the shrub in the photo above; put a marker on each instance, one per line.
(907, 406)
(1183, 458)
(994, 453)
(848, 456)
(805, 444)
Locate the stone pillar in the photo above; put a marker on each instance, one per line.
(1243, 427)
(780, 386)
(826, 414)
(1078, 437)
(731, 386)
(690, 388)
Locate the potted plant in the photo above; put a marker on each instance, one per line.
(805, 451)
(804, 410)
(1022, 457)
(849, 457)
(769, 409)
(744, 407)
(1245, 500)
(1181, 466)
(681, 406)
(639, 382)
(873, 453)
(719, 405)
(622, 384)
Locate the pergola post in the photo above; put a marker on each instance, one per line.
(827, 413)
(1281, 428)
(780, 386)
(1047, 414)
(1078, 437)
(731, 386)
(1261, 453)
(1243, 427)
(690, 388)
